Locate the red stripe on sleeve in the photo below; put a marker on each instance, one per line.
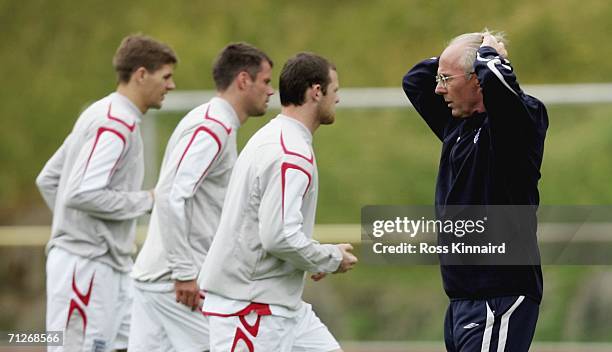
(98, 134)
(195, 133)
(284, 168)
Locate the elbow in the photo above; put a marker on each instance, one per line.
(42, 182)
(410, 88)
(406, 84)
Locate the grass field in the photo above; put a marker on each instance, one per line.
(371, 303)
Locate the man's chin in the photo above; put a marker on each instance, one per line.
(156, 106)
(328, 120)
(458, 114)
(257, 113)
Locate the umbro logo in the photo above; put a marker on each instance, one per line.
(471, 326)
(477, 136)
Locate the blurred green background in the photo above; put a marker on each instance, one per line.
(56, 57)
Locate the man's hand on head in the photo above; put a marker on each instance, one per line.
(489, 40)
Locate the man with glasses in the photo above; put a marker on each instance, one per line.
(492, 137)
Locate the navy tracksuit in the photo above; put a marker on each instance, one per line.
(491, 158)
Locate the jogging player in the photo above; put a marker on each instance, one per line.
(492, 136)
(254, 272)
(93, 186)
(189, 197)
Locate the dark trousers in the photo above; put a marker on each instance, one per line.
(491, 325)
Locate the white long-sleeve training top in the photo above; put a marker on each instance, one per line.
(264, 245)
(189, 194)
(93, 184)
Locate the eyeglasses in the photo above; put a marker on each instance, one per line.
(442, 79)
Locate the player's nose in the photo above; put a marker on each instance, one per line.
(440, 90)
(172, 86)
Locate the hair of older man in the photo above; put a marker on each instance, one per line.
(472, 42)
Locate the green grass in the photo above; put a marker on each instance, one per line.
(407, 303)
(372, 302)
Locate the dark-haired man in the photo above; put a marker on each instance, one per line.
(92, 185)
(254, 271)
(189, 197)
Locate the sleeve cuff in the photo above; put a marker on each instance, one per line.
(183, 276)
(335, 257)
(150, 201)
(487, 52)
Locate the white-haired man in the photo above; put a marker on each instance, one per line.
(492, 137)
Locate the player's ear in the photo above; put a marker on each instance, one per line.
(139, 75)
(242, 80)
(475, 80)
(316, 92)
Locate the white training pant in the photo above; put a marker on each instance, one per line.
(89, 301)
(161, 324)
(303, 332)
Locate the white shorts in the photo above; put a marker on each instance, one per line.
(262, 333)
(89, 301)
(160, 323)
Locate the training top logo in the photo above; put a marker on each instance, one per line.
(477, 135)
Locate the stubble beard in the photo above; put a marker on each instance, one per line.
(255, 111)
(326, 117)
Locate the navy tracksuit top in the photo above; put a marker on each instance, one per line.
(490, 158)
